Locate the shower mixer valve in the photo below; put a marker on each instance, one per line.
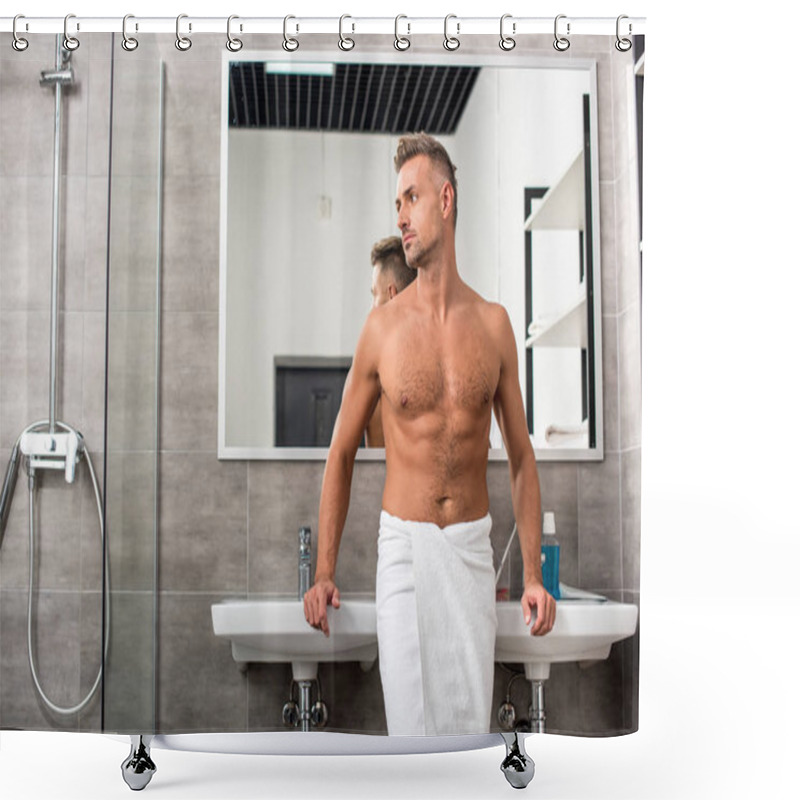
(61, 450)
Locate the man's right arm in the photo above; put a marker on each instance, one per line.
(361, 392)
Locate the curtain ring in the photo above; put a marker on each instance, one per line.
(561, 43)
(70, 42)
(345, 42)
(129, 43)
(451, 42)
(233, 44)
(506, 42)
(401, 42)
(290, 44)
(18, 43)
(623, 45)
(182, 42)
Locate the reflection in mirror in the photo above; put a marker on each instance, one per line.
(559, 278)
(310, 190)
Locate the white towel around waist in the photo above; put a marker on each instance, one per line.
(435, 602)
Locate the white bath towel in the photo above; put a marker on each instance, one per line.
(437, 623)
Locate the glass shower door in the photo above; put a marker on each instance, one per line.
(132, 375)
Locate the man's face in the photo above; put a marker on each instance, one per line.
(382, 286)
(419, 210)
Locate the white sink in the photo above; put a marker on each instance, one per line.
(274, 630)
(584, 630)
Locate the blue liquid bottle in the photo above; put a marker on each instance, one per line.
(550, 555)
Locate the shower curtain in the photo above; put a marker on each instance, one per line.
(218, 209)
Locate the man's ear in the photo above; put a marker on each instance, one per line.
(446, 197)
(392, 291)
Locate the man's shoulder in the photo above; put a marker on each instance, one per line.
(494, 321)
(492, 313)
(384, 319)
(473, 297)
(396, 310)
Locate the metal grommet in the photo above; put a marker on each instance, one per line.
(506, 42)
(233, 44)
(289, 44)
(623, 45)
(129, 43)
(401, 42)
(451, 42)
(18, 43)
(561, 43)
(70, 42)
(182, 42)
(345, 42)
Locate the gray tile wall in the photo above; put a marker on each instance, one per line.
(229, 528)
(67, 599)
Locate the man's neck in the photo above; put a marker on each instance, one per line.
(438, 284)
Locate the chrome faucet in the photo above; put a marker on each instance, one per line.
(304, 563)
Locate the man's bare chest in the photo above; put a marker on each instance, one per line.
(421, 372)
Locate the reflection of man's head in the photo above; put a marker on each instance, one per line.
(390, 273)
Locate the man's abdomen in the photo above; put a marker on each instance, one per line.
(438, 479)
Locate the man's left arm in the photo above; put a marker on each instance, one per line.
(525, 495)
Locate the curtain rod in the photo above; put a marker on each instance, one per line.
(461, 26)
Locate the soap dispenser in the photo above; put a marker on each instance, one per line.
(550, 555)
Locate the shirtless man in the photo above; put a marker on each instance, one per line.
(390, 275)
(441, 359)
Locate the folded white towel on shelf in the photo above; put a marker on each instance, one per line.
(436, 618)
(566, 434)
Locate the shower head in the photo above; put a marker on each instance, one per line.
(50, 77)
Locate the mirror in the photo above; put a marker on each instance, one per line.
(309, 187)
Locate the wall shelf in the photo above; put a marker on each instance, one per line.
(563, 207)
(565, 329)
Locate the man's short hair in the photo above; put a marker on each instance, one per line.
(422, 144)
(389, 254)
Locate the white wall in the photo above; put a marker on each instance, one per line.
(298, 284)
(526, 127)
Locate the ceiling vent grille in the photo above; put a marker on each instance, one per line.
(362, 98)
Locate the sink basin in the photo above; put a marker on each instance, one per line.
(584, 630)
(274, 630)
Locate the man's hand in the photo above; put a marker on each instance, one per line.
(536, 596)
(316, 601)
